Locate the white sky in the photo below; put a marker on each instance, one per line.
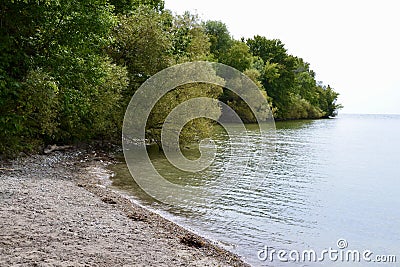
(352, 45)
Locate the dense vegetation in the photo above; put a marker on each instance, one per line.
(69, 68)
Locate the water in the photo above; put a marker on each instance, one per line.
(330, 179)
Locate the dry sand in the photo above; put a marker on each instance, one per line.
(54, 211)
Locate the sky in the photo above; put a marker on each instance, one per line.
(352, 45)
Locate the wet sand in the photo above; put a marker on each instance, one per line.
(56, 211)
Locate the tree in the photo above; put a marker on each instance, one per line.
(238, 56)
(219, 36)
(272, 50)
(279, 76)
(53, 60)
(142, 45)
(190, 42)
(195, 129)
(238, 104)
(328, 98)
(129, 6)
(69, 68)
(147, 42)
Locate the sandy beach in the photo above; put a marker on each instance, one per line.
(56, 211)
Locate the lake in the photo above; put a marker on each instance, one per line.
(330, 181)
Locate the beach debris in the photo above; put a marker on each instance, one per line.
(192, 241)
(136, 216)
(51, 148)
(108, 200)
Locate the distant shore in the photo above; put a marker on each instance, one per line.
(56, 210)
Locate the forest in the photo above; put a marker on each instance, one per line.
(68, 69)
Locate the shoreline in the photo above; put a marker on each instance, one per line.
(56, 210)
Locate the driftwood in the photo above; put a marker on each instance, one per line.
(53, 148)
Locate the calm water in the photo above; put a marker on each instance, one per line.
(330, 179)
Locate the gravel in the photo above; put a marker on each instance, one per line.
(56, 210)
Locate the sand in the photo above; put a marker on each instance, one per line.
(56, 211)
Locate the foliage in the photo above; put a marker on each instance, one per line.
(142, 45)
(327, 101)
(57, 85)
(190, 41)
(237, 56)
(69, 68)
(220, 38)
(130, 6)
(40, 104)
(192, 131)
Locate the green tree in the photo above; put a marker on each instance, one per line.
(56, 49)
(237, 56)
(129, 6)
(148, 41)
(328, 98)
(305, 84)
(68, 69)
(279, 76)
(190, 42)
(142, 44)
(219, 36)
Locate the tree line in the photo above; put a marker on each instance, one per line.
(69, 68)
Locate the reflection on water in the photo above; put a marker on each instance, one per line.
(329, 179)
